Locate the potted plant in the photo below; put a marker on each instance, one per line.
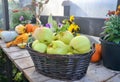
(110, 41)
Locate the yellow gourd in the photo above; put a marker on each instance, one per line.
(20, 39)
(20, 29)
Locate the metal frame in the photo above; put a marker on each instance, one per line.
(5, 14)
(118, 3)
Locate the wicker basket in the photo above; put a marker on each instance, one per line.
(63, 67)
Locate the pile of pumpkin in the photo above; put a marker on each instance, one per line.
(19, 36)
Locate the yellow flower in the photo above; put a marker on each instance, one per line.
(76, 27)
(73, 28)
(72, 18)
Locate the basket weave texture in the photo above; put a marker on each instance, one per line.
(63, 67)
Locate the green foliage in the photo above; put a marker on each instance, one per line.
(65, 26)
(53, 23)
(112, 29)
(13, 4)
(3, 78)
(30, 39)
(2, 57)
(16, 17)
(17, 76)
(55, 28)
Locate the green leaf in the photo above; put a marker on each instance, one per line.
(65, 27)
(54, 26)
(50, 19)
(18, 77)
(53, 23)
(117, 41)
(106, 36)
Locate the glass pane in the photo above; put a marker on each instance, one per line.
(53, 7)
(18, 12)
(81, 8)
(1, 16)
(92, 8)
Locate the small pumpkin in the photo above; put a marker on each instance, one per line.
(20, 29)
(35, 26)
(30, 27)
(96, 57)
(8, 36)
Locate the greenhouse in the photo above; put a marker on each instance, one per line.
(59, 41)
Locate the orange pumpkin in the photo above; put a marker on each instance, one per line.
(34, 27)
(96, 57)
(30, 27)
